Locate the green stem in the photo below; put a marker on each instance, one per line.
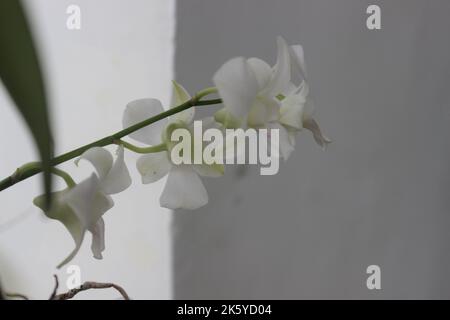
(205, 92)
(35, 166)
(32, 169)
(65, 176)
(132, 147)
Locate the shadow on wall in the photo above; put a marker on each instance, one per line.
(378, 195)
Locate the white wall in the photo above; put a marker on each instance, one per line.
(123, 52)
(378, 195)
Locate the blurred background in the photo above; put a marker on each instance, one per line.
(378, 196)
(123, 51)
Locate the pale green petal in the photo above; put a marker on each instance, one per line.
(63, 213)
(118, 178)
(100, 158)
(140, 110)
(291, 112)
(180, 96)
(183, 190)
(153, 166)
(227, 119)
(237, 86)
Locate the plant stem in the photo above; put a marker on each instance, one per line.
(65, 176)
(151, 149)
(34, 168)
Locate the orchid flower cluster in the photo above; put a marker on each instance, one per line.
(254, 95)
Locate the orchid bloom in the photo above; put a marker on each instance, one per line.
(254, 94)
(184, 188)
(80, 207)
(251, 91)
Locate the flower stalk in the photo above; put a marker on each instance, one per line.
(30, 169)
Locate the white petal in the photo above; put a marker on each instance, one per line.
(237, 86)
(98, 239)
(180, 96)
(263, 111)
(290, 89)
(62, 212)
(153, 166)
(140, 110)
(87, 202)
(282, 71)
(262, 71)
(183, 190)
(118, 178)
(285, 146)
(298, 60)
(226, 119)
(73, 253)
(313, 126)
(100, 158)
(209, 122)
(211, 171)
(291, 112)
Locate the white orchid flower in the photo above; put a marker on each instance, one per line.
(80, 208)
(248, 87)
(251, 91)
(296, 113)
(297, 108)
(184, 188)
(114, 176)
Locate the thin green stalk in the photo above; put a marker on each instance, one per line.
(65, 176)
(29, 170)
(157, 148)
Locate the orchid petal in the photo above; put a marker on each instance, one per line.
(262, 71)
(285, 146)
(313, 126)
(118, 178)
(183, 190)
(263, 111)
(180, 96)
(63, 213)
(98, 239)
(87, 202)
(100, 158)
(209, 170)
(237, 86)
(153, 166)
(282, 73)
(298, 60)
(291, 112)
(140, 110)
(226, 119)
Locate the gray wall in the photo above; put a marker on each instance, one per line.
(378, 195)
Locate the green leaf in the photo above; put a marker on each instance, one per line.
(21, 74)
